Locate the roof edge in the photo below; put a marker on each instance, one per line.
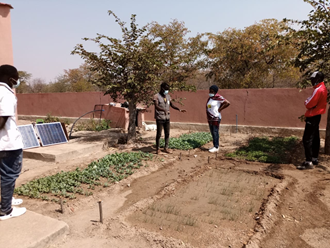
(6, 5)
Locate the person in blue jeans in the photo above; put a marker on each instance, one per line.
(214, 105)
(11, 144)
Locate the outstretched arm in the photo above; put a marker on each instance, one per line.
(175, 107)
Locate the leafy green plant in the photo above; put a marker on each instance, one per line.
(188, 141)
(49, 118)
(94, 125)
(266, 150)
(113, 167)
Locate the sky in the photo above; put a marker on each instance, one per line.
(44, 32)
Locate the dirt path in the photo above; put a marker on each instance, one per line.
(189, 202)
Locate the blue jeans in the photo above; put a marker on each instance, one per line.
(10, 168)
(214, 129)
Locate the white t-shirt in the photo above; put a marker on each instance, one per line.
(10, 137)
(213, 107)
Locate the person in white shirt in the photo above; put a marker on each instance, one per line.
(214, 105)
(11, 144)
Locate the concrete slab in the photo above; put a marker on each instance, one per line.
(31, 230)
(63, 152)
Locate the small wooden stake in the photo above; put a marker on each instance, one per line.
(208, 160)
(61, 203)
(216, 155)
(101, 213)
(180, 155)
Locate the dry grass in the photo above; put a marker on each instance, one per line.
(221, 197)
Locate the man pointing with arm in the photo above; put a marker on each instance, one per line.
(162, 102)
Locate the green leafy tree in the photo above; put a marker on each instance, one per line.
(74, 80)
(181, 56)
(252, 57)
(312, 40)
(24, 77)
(131, 68)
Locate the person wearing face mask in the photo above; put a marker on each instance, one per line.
(316, 106)
(214, 105)
(162, 102)
(11, 144)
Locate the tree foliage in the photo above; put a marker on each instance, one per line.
(133, 67)
(312, 40)
(24, 79)
(252, 57)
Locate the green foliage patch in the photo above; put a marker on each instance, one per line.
(188, 141)
(49, 118)
(266, 150)
(113, 167)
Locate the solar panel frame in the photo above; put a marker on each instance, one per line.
(29, 136)
(51, 133)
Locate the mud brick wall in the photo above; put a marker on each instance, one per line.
(253, 107)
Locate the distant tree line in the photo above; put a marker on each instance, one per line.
(253, 57)
(267, 54)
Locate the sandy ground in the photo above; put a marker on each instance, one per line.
(196, 199)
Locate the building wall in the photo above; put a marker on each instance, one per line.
(6, 47)
(255, 107)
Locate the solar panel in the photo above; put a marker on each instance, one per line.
(28, 136)
(51, 133)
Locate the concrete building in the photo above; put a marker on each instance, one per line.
(6, 46)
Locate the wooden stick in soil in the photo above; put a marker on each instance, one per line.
(208, 159)
(180, 155)
(101, 212)
(61, 203)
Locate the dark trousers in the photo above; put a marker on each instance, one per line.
(10, 168)
(160, 125)
(311, 138)
(214, 129)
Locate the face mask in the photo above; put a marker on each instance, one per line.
(17, 83)
(211, 95)
(166, 92)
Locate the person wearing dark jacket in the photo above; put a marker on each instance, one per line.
(316, 106)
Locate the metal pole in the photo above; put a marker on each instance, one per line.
(81, 117)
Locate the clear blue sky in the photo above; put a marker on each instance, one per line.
(45, 32)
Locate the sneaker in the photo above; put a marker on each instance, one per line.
(305, 166)
(315, 161)
(211, 148)
(15, 212)
(214, 149)
(15, 202)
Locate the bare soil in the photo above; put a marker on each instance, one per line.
(196, 199)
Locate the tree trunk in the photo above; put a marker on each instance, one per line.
(327, 136)
(132, 121)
